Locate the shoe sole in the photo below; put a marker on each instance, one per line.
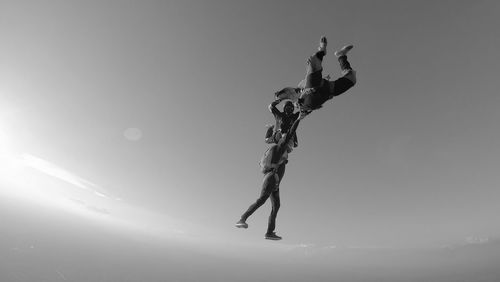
(274, 239)
(242, 226)
(343, 52)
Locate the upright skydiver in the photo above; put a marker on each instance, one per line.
(273, 166)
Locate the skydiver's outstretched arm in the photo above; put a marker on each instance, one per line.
(273, 109)
(292, 130)
(290, 134)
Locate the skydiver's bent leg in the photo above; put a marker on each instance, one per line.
(314, 67)
(268, 186)
(344, 83)
(314, 71)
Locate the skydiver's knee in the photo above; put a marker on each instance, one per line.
(351, 75)
(314, 63)
(341, 85)
(260, 201)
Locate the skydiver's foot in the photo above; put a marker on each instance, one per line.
(272, 236)
(322, 44)
(241, 224)
(343, 51)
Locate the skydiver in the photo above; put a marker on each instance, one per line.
(314, 90)
(273, 166)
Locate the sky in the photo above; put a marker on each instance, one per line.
(139, 125)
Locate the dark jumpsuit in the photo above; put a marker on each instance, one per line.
(319, 90)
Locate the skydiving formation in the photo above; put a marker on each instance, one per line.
(312, 92)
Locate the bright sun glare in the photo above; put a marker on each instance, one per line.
(28, 178)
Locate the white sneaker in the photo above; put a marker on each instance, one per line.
(241, 224)
(343, 51)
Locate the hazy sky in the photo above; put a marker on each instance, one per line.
(161, 106)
